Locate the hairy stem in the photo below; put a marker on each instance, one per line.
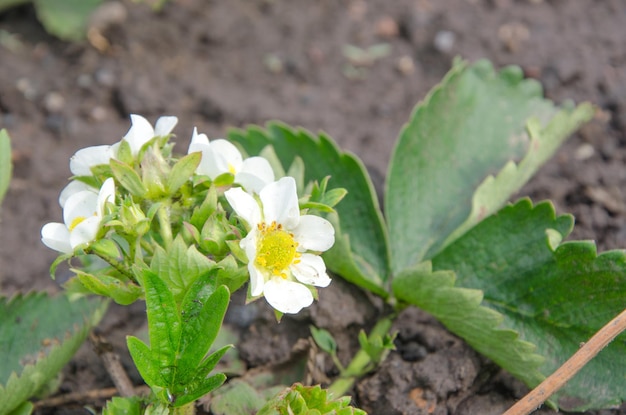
(114, 263)
(360, 364)
(165, 227)
(555, 381)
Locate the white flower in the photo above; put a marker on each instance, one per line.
(141, 131)
(277, 245)
(221, 156)
(82, 215)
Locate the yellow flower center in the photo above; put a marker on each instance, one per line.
(77, 220)
(231, 169)
(276, 249)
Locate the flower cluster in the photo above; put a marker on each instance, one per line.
(142, 201)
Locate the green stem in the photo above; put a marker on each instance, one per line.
(114, 263)
(361, 362)
(165, 227)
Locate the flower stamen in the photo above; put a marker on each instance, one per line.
(276, 249)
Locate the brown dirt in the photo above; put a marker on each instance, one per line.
(223, 63)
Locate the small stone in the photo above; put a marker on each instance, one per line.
(584, 152)
(444, 41)
(26, 87)
(405, 65)
(84, 81)
(54, 102)
(513, 35)
(105, 77)
(98, 113)
(387, 27)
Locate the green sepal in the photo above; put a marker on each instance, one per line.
(105, 248)
(124, 153)
(231, 274)
(202, 213)
(57, 261)
(182, 171)
(128, 178)
(224, 179)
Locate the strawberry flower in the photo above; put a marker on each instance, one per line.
(221, 156)
(282, 246)
(82, 216)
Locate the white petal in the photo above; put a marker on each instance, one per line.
(198, 138)
(85, 231)
(287, 296)
(106, 195)
(257, 280)
(56, 236)
(165, 125)
(140, 133)
(314, 233)
(280, 202)
(311, 270)
(255, 174)
(227, 156)
(244, 205)
(72, 187)
(207, 164)
(84, 159)
(82, 204)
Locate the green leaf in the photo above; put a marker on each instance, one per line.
(149, 368)
(38, 336)
(299, 399)
(460, 310)
(237, 397)
(128, 178)
(6, 165)
(66, 19)
(200, 389)
(164, 324)
(471, 126)
(179, 267)
(123, 293)
(182, 171)
(555, 296)
(24, 409)
(362, 257)
(203, 316)
(324, 340)
(126, 406)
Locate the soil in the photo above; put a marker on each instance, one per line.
(222, 63)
